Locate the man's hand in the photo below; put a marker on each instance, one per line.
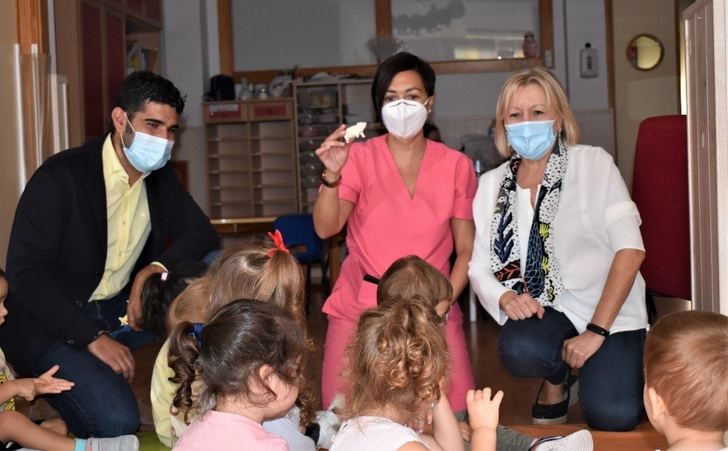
(114, 354)
(28, 388)
(520, 306)
(134, 308)
(576, 351)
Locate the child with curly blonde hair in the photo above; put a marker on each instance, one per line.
(398, 365)
(388, 369)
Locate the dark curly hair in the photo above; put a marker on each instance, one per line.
(228, 353)
(157, 294)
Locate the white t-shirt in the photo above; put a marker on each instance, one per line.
(369, 433)
(596, 218)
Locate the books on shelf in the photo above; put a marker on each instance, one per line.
(140, 58)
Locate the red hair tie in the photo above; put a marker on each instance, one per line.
(278, 241)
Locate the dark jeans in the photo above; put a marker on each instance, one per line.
(101, 404)
(610, 382)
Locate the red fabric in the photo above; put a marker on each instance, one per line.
(660, 190)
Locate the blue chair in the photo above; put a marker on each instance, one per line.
(301, 239)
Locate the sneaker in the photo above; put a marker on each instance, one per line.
(578, 441)
(328, 425)
(556, 413)
(121, 443)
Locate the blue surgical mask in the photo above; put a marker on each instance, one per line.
(147, 153)
(531, 139)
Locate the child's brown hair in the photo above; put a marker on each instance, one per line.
(413, 278)
(268, 274)
(398, 358)
(228, 352)
(686, 363)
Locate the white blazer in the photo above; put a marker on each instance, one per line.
(596, 218)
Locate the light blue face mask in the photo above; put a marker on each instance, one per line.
(147, 153)
(531, 139)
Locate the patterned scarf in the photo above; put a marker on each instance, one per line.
(541, 279)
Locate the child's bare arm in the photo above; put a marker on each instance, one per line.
(446, 430)
(483, 412)
(28, 388)
(16, 427)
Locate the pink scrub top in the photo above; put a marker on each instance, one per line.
(386, 223)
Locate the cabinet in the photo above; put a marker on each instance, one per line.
(98, 43)
(321, 106)
(251, 158)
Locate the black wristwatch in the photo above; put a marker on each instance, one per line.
(597, 330)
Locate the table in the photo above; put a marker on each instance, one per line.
(262, 224)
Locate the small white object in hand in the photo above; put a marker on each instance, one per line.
(355, 131)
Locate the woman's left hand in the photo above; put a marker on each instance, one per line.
(577, 350)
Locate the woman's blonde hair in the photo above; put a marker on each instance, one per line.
(399, 359)
(686, 363)
(555, 99)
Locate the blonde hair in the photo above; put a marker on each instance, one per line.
(686, 363)
(555, 99)
(413, 278)
(399, 359)
(266, 274)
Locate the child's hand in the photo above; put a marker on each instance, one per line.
(482, 410)
(45, 384)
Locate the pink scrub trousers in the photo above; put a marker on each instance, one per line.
(388, 223)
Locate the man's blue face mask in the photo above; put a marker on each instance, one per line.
(147, 153)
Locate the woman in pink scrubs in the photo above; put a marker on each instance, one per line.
(400, 194)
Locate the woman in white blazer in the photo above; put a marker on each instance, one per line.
(556, 260)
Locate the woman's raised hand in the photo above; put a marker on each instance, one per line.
(334, 152)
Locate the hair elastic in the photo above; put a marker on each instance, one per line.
(197, 332)
(278, 241)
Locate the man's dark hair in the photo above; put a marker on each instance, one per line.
(400, 62)
(143, 86)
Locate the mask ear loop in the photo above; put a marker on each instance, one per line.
(128, 123)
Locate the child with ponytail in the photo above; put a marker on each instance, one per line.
(245, 365)
(268, 274)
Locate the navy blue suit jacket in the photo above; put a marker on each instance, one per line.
(58, 244)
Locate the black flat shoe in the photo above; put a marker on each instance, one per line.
(555, 413)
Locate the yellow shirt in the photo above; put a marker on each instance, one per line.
(128, 222)
(168, 427)
(5, 375)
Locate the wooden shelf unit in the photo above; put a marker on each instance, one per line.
(251, 158)
(321, 106)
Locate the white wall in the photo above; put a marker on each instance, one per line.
(184, 61)
(642, 94)
(466, 102)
